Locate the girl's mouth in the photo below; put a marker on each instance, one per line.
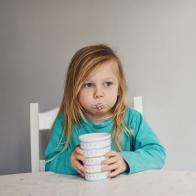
(99, 106)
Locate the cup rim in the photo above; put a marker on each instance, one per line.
(91, 137)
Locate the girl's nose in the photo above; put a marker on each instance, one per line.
(98, 92)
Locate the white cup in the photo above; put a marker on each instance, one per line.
(95, 146)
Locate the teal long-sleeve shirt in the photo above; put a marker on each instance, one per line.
(144, 153)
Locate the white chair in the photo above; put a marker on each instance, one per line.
(137, 104)
(43, 121)
(39, 122)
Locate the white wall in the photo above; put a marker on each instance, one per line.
(155, 40)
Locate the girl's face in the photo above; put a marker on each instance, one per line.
(99, 92)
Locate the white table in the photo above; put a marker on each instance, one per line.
(148, 183)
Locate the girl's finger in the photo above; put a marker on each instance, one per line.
(110, 167)
(80, 157)
(111, 154)
(114, 173)
(79, 167)
(109, 161)
(78, 150)
(80, 172)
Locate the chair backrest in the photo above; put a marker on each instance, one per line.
(138, 104)
(44, 121)
(39, 122)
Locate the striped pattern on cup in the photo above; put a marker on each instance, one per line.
(95, 146)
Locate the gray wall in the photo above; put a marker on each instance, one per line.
(155, 40)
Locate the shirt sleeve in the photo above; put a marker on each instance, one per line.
(57, 159)
(148, 153)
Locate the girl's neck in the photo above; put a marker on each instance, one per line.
(97, 119)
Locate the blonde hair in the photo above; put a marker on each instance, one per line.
(82, 63)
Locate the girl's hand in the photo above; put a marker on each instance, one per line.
(77, 159)
(114, 164)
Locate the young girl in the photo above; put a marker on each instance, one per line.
(95, 101)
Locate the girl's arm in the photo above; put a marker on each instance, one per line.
(58, 160)
(148, 152)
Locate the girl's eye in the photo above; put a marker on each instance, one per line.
(106, 84)
(88, 85)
